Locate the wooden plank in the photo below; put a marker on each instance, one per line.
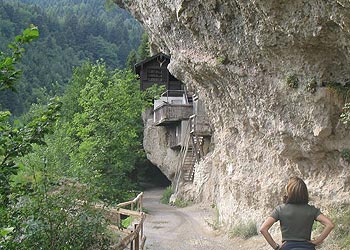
(133, 238)
(143, 241)
(129, 238)
(127, 212)
(137, 238)
(124, 204)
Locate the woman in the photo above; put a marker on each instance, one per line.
(296, 218)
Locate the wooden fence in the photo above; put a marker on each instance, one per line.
(134, 238)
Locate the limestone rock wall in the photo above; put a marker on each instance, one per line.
(238, 54)
(156, 146)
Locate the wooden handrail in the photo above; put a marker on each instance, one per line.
(127, 240)
(134, 237)
(182, 156)
(134, 201)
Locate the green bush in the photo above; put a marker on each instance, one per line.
(345, 116)
(292, 81)
(181, 203)
(311, 85)
(166, 195)
(345, 154)
(221, 60)
(59, 218)
(244, 230)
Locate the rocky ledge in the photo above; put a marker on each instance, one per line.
(272, 75)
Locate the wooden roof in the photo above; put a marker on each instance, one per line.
(149, 59)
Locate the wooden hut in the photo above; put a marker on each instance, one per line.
(153, 70)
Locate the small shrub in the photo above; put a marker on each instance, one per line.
(215, 224)
(145, 210)
(311, 85)
(345, 154)
(292, 81)
(126, 222)
(181, 203)
(244, 230)
(345, 116)
(221, 60)
(342, 90)
(166, 195)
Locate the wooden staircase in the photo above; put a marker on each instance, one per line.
(185, 166)
(188, 165)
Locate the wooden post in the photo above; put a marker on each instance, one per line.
(137, 238)
(118, 220)
(132, 244)
(141, 228)
(141, 199)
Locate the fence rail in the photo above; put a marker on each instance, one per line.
(135, 238)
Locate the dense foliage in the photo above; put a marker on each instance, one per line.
(15, 142)
(63, 160)
(72, 31)
(88, 158)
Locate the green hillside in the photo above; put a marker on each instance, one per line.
(71, 32)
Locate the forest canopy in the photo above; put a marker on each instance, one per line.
(71, 32)
(70, 121)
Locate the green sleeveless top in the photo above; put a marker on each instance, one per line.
(296, 220)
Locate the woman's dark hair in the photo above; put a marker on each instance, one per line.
(297, 192)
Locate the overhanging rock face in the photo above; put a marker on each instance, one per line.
(261, 68)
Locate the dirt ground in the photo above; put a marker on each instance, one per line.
(171, 228)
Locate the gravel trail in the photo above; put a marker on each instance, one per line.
(171, 228)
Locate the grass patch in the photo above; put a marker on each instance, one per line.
(341, 219)
(292, 81)
(166, 195)
(181, 203)
(244, 230)
(126, 222)
(311, 85)
(145, 210)
(215, 224)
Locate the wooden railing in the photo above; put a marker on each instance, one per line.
(135, 238)
(182, 156)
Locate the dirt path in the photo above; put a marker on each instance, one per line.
(171, 228)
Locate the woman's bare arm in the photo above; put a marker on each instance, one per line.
(264, 230)
(328, 227)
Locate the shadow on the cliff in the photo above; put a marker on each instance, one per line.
(149, 176)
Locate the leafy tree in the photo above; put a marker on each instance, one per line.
(132, 60)
(108, 128)
(17, 141)
(143, 50)
(8, 73)
(40, 207)
(72, 31)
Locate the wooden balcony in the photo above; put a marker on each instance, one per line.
(167, 113)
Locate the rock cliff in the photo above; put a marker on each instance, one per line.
(262, 68)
